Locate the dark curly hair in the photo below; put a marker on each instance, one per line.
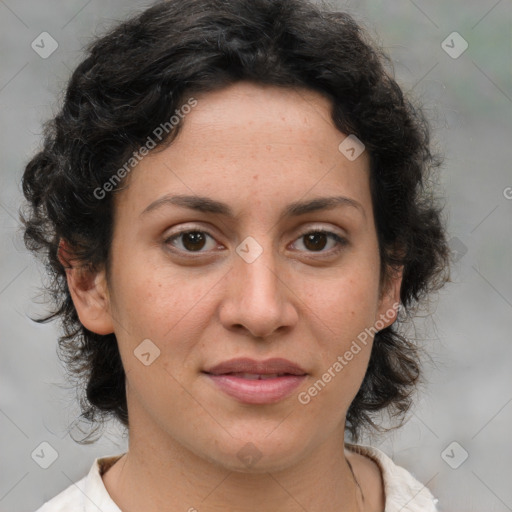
(135, 78)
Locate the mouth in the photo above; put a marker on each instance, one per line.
(256, 382)
(276, 366)
(255, 376)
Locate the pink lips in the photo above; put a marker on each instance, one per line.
(257, 382)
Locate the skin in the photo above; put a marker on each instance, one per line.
(257, 149)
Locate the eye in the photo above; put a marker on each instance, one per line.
(195, 240)
(318, 239)
(191, 241)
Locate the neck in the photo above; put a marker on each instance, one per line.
(159, 474)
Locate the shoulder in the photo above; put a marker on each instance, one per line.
(402, 491)
(87, 494)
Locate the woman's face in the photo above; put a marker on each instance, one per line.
(247, 282)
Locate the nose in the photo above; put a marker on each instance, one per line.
(258, 299)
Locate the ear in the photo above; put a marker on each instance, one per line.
(389, 302)
(88, 289)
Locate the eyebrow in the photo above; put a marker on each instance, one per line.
(208, 205)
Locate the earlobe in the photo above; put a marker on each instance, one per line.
(390, 298)
(89, 292)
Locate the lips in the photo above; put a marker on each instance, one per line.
(250, 367)
(257, 376)
(257, 382)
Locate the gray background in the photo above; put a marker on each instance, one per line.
(467, 397)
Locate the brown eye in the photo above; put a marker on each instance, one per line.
(315, 241)
(194, 240)
(190, 241)
(318, 240)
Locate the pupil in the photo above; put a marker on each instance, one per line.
(196, 238)
(312, 241)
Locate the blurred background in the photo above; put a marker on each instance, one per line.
(456, 58)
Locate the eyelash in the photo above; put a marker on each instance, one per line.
(341, 242)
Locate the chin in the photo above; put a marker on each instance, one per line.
(260, 453)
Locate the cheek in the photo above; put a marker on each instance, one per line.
(158, 325)
(346, 302)
(169, 307)
(344, 314)
(152, 301)
(345, 349)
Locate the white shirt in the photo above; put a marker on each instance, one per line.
(403, 492)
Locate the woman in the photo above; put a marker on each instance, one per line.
(233, 203)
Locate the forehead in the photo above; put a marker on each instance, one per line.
(254, 144)
(255, 113)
